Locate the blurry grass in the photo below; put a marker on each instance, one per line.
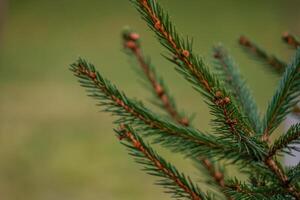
(53, 142)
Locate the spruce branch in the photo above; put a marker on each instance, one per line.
(160, 90)
(291, 40)
(229, 121)
(187, 140)
(276, 64)
(229, 73)
(176, 183)
(285, 98)
(197, 73)
(132, 44)
(240, 137)
(286, 142)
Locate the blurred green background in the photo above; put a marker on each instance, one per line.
(54, 144)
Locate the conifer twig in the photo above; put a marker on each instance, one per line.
(131, 42)
(229, 73)
(291, 40)
(87, 72)
(285, 98)
(240, 136)
(276, 64)
(182, 139)
(285, 142)
(197, 74)
(176, 183)
(233, 126)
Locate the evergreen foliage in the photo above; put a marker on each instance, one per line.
(228, 72)
(239, 135)
(176, 183)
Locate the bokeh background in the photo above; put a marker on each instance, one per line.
(54, 144)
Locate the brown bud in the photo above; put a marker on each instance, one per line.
(227, 100)
(218, 176)
(184, 121)
(122, 103)
(143, 1)
(207, 163)
(285, 35)
(186, 53)
(219, 94)
(92, 75)
(118, 101)
(131, 45)
(165, 99)
(134, 36)
(244, 41)
(157, 25)
(137, 144)
(159, 90)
